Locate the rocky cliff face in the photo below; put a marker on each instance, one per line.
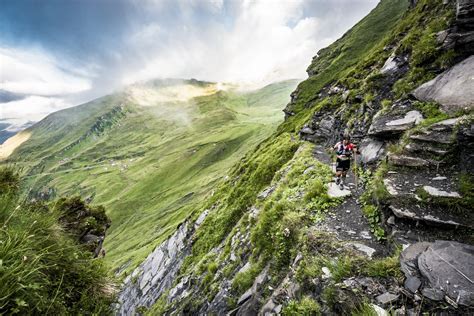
(279, 238)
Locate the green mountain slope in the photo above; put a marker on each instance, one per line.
(148, 154)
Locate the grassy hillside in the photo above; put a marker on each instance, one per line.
(148, 154)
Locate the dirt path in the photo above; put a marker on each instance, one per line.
(347, 220)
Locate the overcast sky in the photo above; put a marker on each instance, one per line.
(59, 53)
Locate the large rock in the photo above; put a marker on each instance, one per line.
(335, 192)
(371, 150)
(453, 89)
(440, 269)
(249, 303)
(448, 266)
(325, 126)
(408, 161)
(465, 14)
(393, 64)
(398, 119)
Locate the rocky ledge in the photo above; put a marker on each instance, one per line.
(440, 271)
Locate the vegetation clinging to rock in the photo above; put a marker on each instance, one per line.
(42, 269)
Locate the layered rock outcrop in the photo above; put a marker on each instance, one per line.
(158, 272)
(453, 89)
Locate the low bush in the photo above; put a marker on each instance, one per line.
(43, 270)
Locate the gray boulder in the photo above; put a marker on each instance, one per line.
(398, 119)
(438, 270)
(448, 266)
(453, 89)
(371, 150)
(409, 258)
(393, 64)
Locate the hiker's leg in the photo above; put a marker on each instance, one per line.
(339, 170)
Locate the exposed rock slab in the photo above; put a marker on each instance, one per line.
(158, 271)
(435, 215)
(439, 133)
(409, 161)
(448, 266)
(371, 150)
(392, 125)
(453, 89)
(409, 183)
(387, 298)
(435, 192)
(442, 270)
(335, 192)
(368, 251)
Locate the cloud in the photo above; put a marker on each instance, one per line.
(263, 41)
(36, 73)
(32, 108)
(40, 84)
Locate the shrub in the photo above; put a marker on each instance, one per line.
(42, 269)
(306, 306)
(244, 280)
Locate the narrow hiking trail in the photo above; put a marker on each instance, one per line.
(347, 221)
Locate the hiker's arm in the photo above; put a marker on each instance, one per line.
(356, 150)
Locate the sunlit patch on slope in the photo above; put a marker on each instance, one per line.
(171, 102)
(152, 96)
(7, 148)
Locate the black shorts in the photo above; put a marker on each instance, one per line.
(343, 165)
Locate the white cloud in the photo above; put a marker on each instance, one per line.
(43, 82)
(36, 73)
(267, 40)
(32, 108)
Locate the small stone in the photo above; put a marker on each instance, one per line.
(379, 310)
(391, 220)
(327, 273)
(451, 301)
(412, 283)
(365, 234)
(349, 282)
(433, 294)
(439, 178)
(348, 211)
(363, 248)
(387, 298)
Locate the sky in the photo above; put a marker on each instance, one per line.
(60, 53)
